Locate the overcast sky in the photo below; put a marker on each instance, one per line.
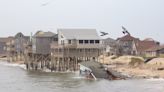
(143, 18)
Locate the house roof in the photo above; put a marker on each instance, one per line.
(109, 41)
(156, 48)
(127, 38)
(79, 33)
(149, 39)
(44, 34)
(144, 45)
(6, 39)
(19, 34)
(22, 35)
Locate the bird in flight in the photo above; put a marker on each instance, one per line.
(103, 33)
(125, 30)
(47, 3)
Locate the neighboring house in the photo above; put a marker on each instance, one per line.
(10, 48)
(19, 42)
(127, 44)
(41, 42)
(157, 51)
(3, 46)
(16, 47)
(142, 46)
(134, 46)
(111, 46)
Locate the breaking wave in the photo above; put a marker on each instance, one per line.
(155, 79)
(23, 66)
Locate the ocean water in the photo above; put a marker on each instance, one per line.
(14, 78)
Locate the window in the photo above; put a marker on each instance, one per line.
(97, 41)
(92, 41)
(80, 41)
(86, 41)
(69, 41)
(55, 39)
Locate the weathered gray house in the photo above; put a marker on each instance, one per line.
(20, 42)
(73, 46)
(41, 42)
(38, 51)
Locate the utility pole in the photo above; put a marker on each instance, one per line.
(103, 34)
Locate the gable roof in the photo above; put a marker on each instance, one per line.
(128, 38)
(79, 33)
(44, 34)
(19, 34)
(109, 41)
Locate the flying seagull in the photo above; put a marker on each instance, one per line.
(103, 33)
(47, 3)
(125, 30)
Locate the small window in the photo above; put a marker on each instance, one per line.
(97, 41)
(86, 41)
(55, 39)
(80, 41)
(69, 41)
(92, 41)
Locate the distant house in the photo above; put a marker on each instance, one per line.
(10, 48)
(144, 45)
(41, 42)
(16, 47)
(127, 44)
(3, 46)
(134, 46)
(111, 46)
(157, 51)
(19, 42)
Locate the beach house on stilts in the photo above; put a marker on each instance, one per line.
(74, 46)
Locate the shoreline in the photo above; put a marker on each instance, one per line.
(137, 72)
(129, 72)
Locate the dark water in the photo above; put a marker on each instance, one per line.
(16, 79)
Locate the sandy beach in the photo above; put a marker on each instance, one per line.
(125, 65)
